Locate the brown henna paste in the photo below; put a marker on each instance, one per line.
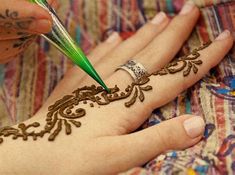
(63, 113)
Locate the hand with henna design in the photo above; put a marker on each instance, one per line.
(83, 130)
(20, 22)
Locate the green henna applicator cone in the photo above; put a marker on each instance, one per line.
(61, 39)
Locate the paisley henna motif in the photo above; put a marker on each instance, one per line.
(65, 112)
(186, 63)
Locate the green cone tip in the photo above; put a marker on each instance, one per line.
(61, 39)
(85, 65)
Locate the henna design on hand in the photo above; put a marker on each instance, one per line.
(23, 42)
(63, 113)
(11, 20)
(187, 62)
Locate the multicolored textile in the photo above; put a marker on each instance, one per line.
(27, 81)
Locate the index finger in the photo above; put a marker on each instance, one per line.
(17, 17)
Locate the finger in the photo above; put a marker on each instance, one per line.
(165, 46)
(54, 3)
(174, 78)
(105, 48)
(210, 57)
(51, 1)
(131, 46)
(15, 20)
(75, 75)
(135, 149)
(10, 48)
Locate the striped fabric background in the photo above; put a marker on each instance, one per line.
(27, 81)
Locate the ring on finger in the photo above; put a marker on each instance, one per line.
(135, 69)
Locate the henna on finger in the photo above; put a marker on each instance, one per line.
(11, 23)
(23, 42)
(11, 20)
(11, 48)
(12, 28)
(65, 112)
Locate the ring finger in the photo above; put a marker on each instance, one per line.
(117, 56)
(130, 47)
(174, 78)
(162, 47)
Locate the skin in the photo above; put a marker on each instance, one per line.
(19, 26)
(106, 143)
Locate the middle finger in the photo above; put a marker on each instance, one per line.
(162, 47)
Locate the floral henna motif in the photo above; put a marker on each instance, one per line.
(186, 63)
(11, 20)
(65, 112)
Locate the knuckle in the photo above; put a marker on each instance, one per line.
(168, 138)
(163, 141)
(177, 27)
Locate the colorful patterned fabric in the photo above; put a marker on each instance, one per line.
(27, 81)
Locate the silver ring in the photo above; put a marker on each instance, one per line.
(135, 69)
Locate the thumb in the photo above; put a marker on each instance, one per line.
(139, 147)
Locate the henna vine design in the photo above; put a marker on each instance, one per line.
(24, 41)
(66, 113)
(11, 20)
(186, 63)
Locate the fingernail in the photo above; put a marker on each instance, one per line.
(194, 126)
(113, 37)
(40, 26)
(159, 18)
(225, 34)
(188, 7)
